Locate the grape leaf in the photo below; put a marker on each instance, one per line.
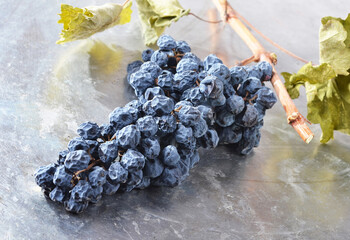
(328, 99)
(328, 84)
(308, 73)
(156, 15)
(81, 23)
(335, 44)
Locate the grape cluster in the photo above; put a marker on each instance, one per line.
(182, 104)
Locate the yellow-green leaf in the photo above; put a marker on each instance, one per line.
(308, 73)
(156, 15)
(327, 97)
(328, 84)
(332, 112)
(335, 43)
(81, 23)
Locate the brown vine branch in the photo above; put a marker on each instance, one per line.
(297, 122)
(247, 61)
(268, 39)
(93, 163)
(125, 2)
(198, 17)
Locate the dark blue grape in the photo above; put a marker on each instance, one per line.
(165, 80)
(132, 161)
(207, 114)
(61, 178)
(183, 135)
(231, 134)
(184, 164)
(77, 143)
(62, 156)
(82, 192)
(182, 47)
(75, 207)
(191, 56)
(129, 137)
(182, 103)
(266, 97)
(150, 148)
(235, 104)
(77, 160)
(159, 105)
(238, 75)
(201, 75)
(123, 116)
(97, 177)
(147, 54)
(145, 183)
(134, 179)
(117, 173)
(218, 101)
(187, 64)
(224, 118)
(160, 58)
(140, 81)
(220, 71)
(189, 116)
(211, 87)
(254, 71)
(209, 140)
(152, 92)
(196, 96)
(110, 188)
(147, 126)
(108, 152)
(250, 117)
(93, 148)
(137, 104)
(251, 85)
(107, 131)
(200, 128)
(152, 68)
(170, 156)
(166, 42)
(153, 168)
(166, 124)
(266, 70)
(44, 176)
(57, 195)
(96, 194)
(184, 80)
(170, 178)
(261, 110)
(229, 90)
(210, 60)
(134, 65)
(194, 159)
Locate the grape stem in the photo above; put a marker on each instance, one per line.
(208, 21)
(295, 119)
(247, 61)
(268, 39)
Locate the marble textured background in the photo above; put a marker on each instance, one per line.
(284, 190)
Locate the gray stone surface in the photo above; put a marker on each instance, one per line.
(284, 190)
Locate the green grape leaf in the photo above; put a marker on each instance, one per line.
(81, 23)
(328, 84)
(308, 73)
(328, 97)
(335, 43)
(156, 15)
